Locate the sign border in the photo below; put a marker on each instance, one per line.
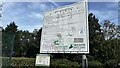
(87, 31)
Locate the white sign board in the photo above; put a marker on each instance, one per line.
(42, 60)
(65, 29)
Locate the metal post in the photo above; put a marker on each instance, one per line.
(84, 61)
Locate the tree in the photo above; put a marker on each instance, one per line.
(8, 38)
(95, 36)
(118, 31)
(110, 46)
(34, 43)
(20, 44)
(109, 29)
(11, 28)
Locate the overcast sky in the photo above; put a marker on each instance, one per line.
(29, 15)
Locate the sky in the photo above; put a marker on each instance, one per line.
(29, 15)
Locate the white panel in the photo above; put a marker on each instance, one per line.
(65, 30)
(42, 60)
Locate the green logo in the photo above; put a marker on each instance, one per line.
(70, 46)
(57, 42)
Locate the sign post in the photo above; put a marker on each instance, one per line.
(84, 61)
(65, 30)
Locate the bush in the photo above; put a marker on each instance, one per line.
(111, 63)
(30, 63)
(23, 62)
(5, 61)
(63, 63)
(95, 64)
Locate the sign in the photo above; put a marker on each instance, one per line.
(42, 60)
(65, 29)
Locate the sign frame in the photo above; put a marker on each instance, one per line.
(39, 60)
(87, 33)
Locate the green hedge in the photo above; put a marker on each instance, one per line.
(6, 61)
(54, 63)
(23, 62)
(112, 63)
(30, 63)
(64, 63)
(95, 64)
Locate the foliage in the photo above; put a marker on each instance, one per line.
(7, 43)
(109, 30)
(5, 61)
(18, 61)
(96, 38)
(11, 28)
(103, 40)
(63, 63)
(22, 43)
(111, 63)
(95, 64)
(23, 61)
